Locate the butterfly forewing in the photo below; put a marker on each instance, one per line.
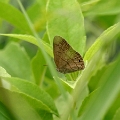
(66, 59)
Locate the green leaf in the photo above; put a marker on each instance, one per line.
(101, 100)
(66, 21)
(101, 7)
(31, 39)
(114, 109)
(3, 73)
(18, 106)
(37, 14)
(39, 67)
(36, 97)
(95, 81)
(14, 16)
(6, 1)
(50, 87)
(16, 62)
(4, 113)
(45, 115)
(105, 38)
(117, 115)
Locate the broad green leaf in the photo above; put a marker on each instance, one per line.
(50, 87)
(66, 21)
(31, 39)
(37, 14)
(113, 110)
(18, 105)
(105, 38)
(101, 100)
(3, 73)
(69, 85)
(34, 11)
(14, 16)
(16, 62)
(117, 115)
(36, 97)
(86, 5)
(6, 1)
(4, 113)
(45, 115)
(28, 38)
(101, 7)
(95, 81)
(39, 67)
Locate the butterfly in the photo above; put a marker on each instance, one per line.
(67, 60)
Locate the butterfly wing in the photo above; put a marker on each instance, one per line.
(66, 59)
(60, 46)
(74, 63)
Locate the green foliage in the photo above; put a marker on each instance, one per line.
(31, 88)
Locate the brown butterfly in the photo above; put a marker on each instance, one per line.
(66, 59)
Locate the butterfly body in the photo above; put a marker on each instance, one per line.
(66, 59)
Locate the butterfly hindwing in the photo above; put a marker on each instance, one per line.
(66, 59)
